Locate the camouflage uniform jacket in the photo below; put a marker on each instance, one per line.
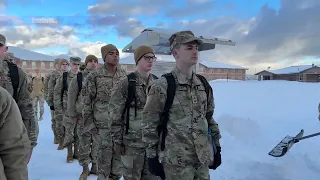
(61, 106)
(46, 84)
(187, 139)
(75, 105)
(96, 93)
(25, 102)
(14, 143)
(51, 84)
(117, 107)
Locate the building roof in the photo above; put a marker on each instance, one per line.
(25, 54)
(291, 69)
(215, 64)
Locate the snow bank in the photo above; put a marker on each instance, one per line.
(253, 117)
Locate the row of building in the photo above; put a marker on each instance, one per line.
(210, 69)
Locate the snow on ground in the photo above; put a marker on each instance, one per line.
(254, 116)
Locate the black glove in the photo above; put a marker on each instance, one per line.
(155, 167)
(217, 159)
(51, 108)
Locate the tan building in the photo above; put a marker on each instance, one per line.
(30, 66)
(210, 69)
(303, 73)
(213, 70)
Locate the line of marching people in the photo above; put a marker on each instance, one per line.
(136, 125)
(62, 94)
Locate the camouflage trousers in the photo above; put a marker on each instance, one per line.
(38, 101)
(135, 165)
(53, 123)
(58, 117)
(70, 127)
(179, 172)
(109, 164)
(88, 147)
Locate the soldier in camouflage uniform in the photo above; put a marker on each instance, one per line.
(135, 166)
(187, 151)
(96, 94)
(38, 94)
(15, 144)
(22, 97)
(87, 147)
(50, 100)
(64, 64)
(60, 105)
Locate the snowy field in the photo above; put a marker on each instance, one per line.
(253, 117)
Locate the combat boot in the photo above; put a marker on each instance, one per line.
(70, 154)
(85, 173)
(75, 151)
(60, 147)
(94, 169)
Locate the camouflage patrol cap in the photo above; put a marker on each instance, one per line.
(2, 40)
(182, 37)
(75, 60)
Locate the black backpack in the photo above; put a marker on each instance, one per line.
(132, 96)
(171, 90)
(14, 76)
(79, 80)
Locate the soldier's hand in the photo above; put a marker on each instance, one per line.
(217, 159)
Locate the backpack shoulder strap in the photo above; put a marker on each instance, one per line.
(171, 90)
(205, 84)
(14, 76)
(42, 79)
(64, 83)
(79, 81)
(131, 96)
(208, 90)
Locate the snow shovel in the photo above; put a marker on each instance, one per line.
(283, 147)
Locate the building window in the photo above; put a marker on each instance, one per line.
(300, 77)
(34, 65)
(43, 65)
(51, 65)
(24, 64)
